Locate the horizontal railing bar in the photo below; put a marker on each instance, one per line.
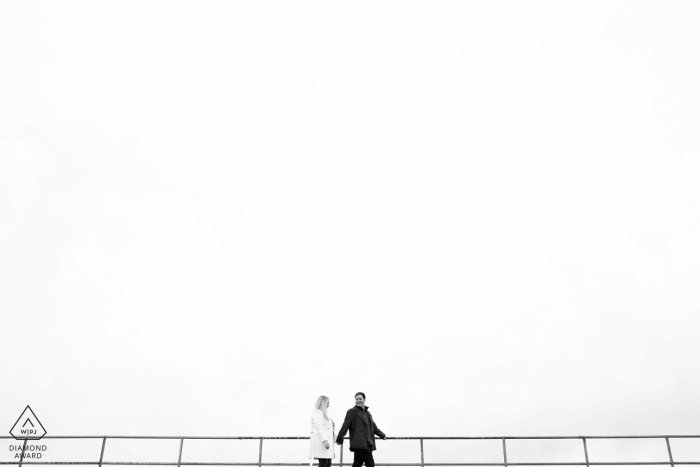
(396, 464)
(304, 464)
(259, 463)
(389, 437)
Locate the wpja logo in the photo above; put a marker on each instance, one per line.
(28, 427)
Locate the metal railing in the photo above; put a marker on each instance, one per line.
(585, 462)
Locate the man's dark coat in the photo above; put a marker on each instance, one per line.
(361, 425)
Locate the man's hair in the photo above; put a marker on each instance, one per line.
(362, 394)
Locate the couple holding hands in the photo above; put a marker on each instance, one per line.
(362, 430)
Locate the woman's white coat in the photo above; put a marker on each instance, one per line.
(321, 430)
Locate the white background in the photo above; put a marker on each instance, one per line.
(485, 215)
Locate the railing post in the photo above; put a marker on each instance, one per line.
(179, 457)
(422, 460)
(585, 450)
(260, 454)
(670, 456)
(505, 456)
(102, 452)
(24, 447)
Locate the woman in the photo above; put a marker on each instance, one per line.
(322, 433)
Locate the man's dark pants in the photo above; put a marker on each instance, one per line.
(363, 455)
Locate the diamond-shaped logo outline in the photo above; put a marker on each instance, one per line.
(38, 436)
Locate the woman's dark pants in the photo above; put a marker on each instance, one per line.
(324, 462)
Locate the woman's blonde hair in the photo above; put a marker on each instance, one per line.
(322, 405)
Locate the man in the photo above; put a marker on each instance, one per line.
(362, 431)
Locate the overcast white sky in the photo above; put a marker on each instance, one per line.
(485, 215)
